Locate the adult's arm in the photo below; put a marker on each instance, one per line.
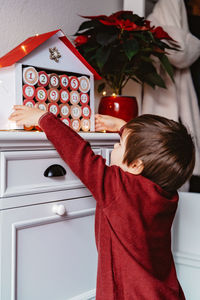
(171, 15)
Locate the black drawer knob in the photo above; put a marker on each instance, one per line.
(54, 171)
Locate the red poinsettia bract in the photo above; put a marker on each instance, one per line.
(80, 40)
(160, 34)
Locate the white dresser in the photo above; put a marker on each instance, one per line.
(47, 245)
(48, 249)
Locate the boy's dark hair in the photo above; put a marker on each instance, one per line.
(165, 148)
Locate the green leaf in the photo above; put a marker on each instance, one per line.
(102, 55)
(131, 48)
(105, 39)
(101, 87)
(137, 19)
(88, 48)
(146, 50)
(154, 79)
(89, 31)
(164, 45)
(149, 83)
(86, 25)
(146, 68)
(139, 36)
(167, 66)
(135, 79)
(146, 59)
(149, 35)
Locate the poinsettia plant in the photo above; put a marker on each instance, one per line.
(124, 46)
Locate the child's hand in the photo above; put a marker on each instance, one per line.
(24, 115)
(105, 122)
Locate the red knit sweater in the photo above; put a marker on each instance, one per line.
(132, 225)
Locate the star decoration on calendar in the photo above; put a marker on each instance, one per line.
(54, 54)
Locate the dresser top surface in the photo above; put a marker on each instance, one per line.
(14, 139)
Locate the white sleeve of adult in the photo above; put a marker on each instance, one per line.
(189, 47)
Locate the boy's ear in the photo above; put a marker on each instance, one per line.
(137, 166)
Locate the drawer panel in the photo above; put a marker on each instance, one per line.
(23, 173)
(47, 256)
(106, 153)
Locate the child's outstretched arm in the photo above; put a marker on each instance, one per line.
(105, 122)
(74, 150)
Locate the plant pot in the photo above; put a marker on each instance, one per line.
(123, 107)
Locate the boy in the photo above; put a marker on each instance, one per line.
(136, 200)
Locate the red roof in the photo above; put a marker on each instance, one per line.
(32, 43)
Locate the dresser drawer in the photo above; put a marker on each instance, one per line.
(22, 172)
(48, 253)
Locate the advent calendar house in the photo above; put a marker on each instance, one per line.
(48, 70)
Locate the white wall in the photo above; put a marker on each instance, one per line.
(20, 19)
(138, 7)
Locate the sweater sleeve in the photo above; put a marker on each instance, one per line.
(77, 153)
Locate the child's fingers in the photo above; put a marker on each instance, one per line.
(20, 107)
(19, 120)
(98, 128)
(18, 112)
(13, 115)
(14, 118)
(96, 118)
(17, 115)
(99, 117)
(98, 124)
